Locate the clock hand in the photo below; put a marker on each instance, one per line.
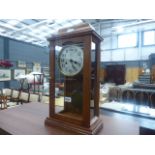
(73, 66)
(74, 61)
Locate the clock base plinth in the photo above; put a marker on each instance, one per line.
(92, 130)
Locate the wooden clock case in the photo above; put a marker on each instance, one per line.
(81, 113)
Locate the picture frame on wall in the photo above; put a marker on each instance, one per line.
(18, 72)
(21, 64)
(5, 74)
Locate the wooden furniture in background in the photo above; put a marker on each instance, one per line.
(152, 67)
(152, 99)
(102, 75)
(132, 73)
(128, 96)
(115, 74)
(36, 83)
(153, 74)
(34, 97)
(7, 92)
(24, 97)
(3, 101)
(15, 96)
(139, 96)
(45, 99)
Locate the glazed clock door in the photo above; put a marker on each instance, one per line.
(94, 106)
(69, 74)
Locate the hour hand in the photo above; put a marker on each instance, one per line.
(74, 61)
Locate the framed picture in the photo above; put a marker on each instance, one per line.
(21, 64)
(5, 74)
(18, 72)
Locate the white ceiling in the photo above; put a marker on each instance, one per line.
(34, 31)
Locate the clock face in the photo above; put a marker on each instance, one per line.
(70, 60)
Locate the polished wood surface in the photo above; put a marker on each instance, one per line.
(28, 119)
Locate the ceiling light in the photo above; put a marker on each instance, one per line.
(77, 21)
(13, 22)
(66, 25)
(2, 30)
(119, 29)
(59, 21)
(50, 22)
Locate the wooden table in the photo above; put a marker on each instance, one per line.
(28, 119)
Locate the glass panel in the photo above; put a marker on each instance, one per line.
(127, 40)
(69, 80)
(149, 38)
(93, 64)
(59, 83)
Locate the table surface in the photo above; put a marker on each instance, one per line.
(28, 119)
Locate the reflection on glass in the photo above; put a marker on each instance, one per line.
(68, 89)
(93, 77)
(59, 84)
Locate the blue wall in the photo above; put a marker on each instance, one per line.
(14, 51)
(1, 48)
(1, 56)
(27, 52)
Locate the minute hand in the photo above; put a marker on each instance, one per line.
(76, 62)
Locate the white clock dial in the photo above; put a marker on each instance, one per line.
(71, 60)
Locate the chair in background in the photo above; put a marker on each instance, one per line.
(146, 100)
(142, 99)
(7, 92)
(15, 96)
(24, 97)
(118, 94)
(1, 92)
(34, 98)
(44, 99)
(128, 96)
(138, 97)
(152, 100)
(112, 95)
(3, 101)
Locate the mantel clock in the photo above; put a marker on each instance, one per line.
(75, 62)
